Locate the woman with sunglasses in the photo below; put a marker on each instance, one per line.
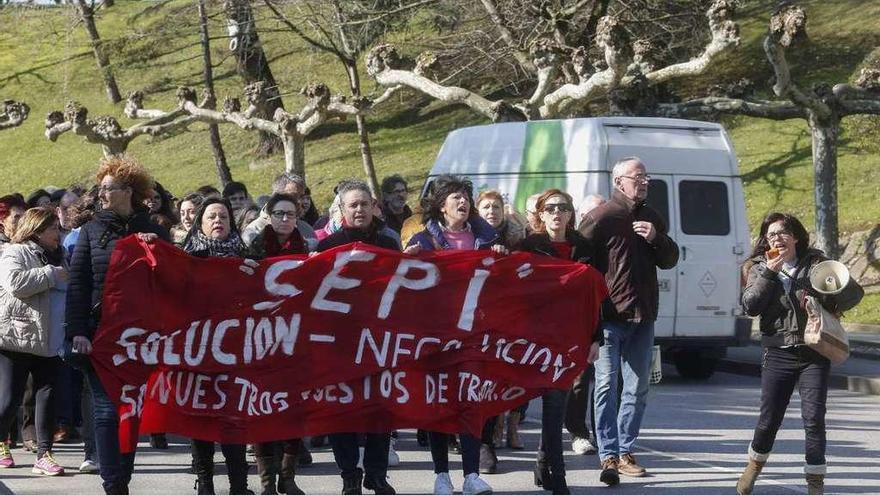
(557, 238)
(777, 284)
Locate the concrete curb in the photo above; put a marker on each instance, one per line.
(860, 384)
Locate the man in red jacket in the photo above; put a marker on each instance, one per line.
(631, 243)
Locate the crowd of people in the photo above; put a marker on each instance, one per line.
(56, 247)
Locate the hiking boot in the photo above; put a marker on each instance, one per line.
(629, 467)
(610, 476)
(488, 459)
(6, 456)
(379, 484)
(351, 484)
(47, 465)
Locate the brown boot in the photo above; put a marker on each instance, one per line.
(815, 479)
(513, 440)
(268, 473)
(498, 432)
(746, 482)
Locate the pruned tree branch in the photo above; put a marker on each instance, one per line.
(714, 105)
(725, 35)
(521, 55)
(13, 114)
(386, 66)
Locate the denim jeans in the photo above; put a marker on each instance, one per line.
(346, 452)
(116, 467)
(552, 415)
(14, 370)
(627, 349)
(781, 370)
(580, 402)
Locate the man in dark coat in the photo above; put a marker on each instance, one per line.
(630, 243)
(359, 225)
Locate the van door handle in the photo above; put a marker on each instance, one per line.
(684, 253)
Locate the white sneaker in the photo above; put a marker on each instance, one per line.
(393, 457)
(443, 485)
(582, 446)
(88, 466)
(474, 485)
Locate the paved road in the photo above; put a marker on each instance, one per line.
(693, 443)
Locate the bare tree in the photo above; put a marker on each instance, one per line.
(344, 29)
(211, 101)
(823, 107)
(565, 78)
(290, 129)
(253, 65)
(87, 15)
(13, 114)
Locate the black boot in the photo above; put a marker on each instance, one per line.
(559, 486)
(351, 483)
(542, 476)
(379, 484)
(268, 473)
(203, 467)
(237, 469)
(287, 481)
(117, 490)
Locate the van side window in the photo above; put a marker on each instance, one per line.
(658, 199)
(704, 208)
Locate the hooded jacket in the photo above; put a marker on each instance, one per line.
(628, 261)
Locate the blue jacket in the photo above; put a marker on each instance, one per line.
(432, 239)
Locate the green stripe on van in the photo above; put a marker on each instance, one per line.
(544, 150)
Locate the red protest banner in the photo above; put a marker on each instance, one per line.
(357, 338)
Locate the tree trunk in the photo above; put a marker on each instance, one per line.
(294, 154)
(88, 19)
(214, 132)
(363, 136)
(825, 133)
(253, 65)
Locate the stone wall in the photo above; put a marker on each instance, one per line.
(861, 254)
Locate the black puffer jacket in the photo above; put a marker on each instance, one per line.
(89, 263)
(783, 317)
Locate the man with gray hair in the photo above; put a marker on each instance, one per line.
(285, 183)
(630, 243)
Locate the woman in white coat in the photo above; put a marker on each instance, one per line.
(33, 277)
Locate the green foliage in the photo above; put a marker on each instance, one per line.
(45, 60)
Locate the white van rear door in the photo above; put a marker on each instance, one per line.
(660, 198)
(708, 283)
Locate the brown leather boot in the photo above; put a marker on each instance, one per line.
(815, 479)
(747, 479)
(513, 440)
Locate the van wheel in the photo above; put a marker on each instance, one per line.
(693, 364)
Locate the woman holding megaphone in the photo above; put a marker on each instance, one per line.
(776, 288)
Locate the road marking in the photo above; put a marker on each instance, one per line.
(678, 457)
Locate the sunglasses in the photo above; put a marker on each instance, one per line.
(562, 208)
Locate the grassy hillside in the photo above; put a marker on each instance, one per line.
(45, 60)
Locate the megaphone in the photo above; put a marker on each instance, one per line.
(829, 277)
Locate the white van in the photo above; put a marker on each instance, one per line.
(695, 186)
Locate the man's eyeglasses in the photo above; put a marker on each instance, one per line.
(638, 178)
(778, 234)
(562, 208)
(283, 214)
